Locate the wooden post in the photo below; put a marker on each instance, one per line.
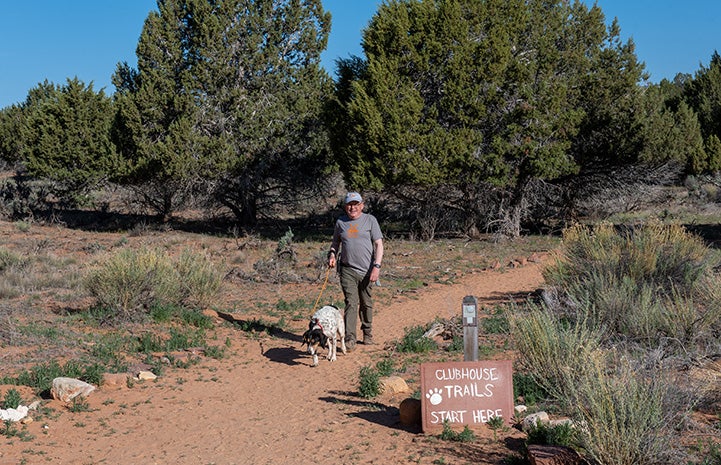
(470, 329)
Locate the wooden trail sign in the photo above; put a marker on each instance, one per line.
(465, 393)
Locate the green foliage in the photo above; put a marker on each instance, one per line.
(9, 259)
(385, 367)
(497, 323)
(594, 343)
(703, 95)
(402, 119)
(66, 138)
(467, 435)
(225, 103)
(200, 278)
(414, 342)
(80, 404)
(11, 399)
(368, 383)
(525, 386)
(40, 377)
(562, 434)
(131, 281)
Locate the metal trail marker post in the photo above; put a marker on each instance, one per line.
(470, 328)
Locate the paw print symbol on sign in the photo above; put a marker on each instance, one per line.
(434, 396)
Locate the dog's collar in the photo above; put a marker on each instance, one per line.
(320, 326)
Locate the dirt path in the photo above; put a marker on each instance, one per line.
(264, 404)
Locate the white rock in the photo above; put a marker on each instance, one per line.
(147, 375)
(66, 389)
(533, 420)
(14, 414)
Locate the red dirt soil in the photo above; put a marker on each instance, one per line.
(263, 403)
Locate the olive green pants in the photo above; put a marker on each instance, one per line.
(358, 302)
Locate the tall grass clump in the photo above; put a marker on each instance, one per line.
(627, 414)
(131, 282)
(200, 279)
(652, 285)
(622, 310)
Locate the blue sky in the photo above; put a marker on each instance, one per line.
(56, 40)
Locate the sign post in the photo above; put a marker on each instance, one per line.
(470, 329)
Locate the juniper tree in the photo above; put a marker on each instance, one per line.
(476, 95)
(227, 100)
(65, 138)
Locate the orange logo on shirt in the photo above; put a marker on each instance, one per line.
(353, 231)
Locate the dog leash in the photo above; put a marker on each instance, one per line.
(327, 273)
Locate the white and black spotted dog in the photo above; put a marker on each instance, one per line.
(326, 325)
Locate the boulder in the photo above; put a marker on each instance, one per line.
(552, 455)
(66, 389)
(410, 412)
(533, 420)
(114, 381)
(392, 385)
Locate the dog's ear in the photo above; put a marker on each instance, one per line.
(306, 338)
(323, 339)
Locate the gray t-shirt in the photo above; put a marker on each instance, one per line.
(356, 238)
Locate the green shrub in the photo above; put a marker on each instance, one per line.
(562, 434)
(11, 399)
(9, 259)
(414, 342)
(385, 367)
(524, 385)
(650, 284)
(496, 323)
(467, 435)
(369, 382)
(552, 350)
(131, 283)
(625, 415)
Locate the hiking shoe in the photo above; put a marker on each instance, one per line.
(350, 345)
(368, 340)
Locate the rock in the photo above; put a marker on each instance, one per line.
(66, 389)
(520, 409)
(392, 385)
(14, 414)
(552, 455)
(146, 376)
(534, 419)
(560, 422)
(114, 381)
(410, 412)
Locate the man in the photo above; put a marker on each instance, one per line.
(357, 248)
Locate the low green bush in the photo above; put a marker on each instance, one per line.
(414, 342)
(368, 382)
(11, 399)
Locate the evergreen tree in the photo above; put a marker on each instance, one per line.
(66, 138)
(485, 94)
(703, 95)
(227, 98)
